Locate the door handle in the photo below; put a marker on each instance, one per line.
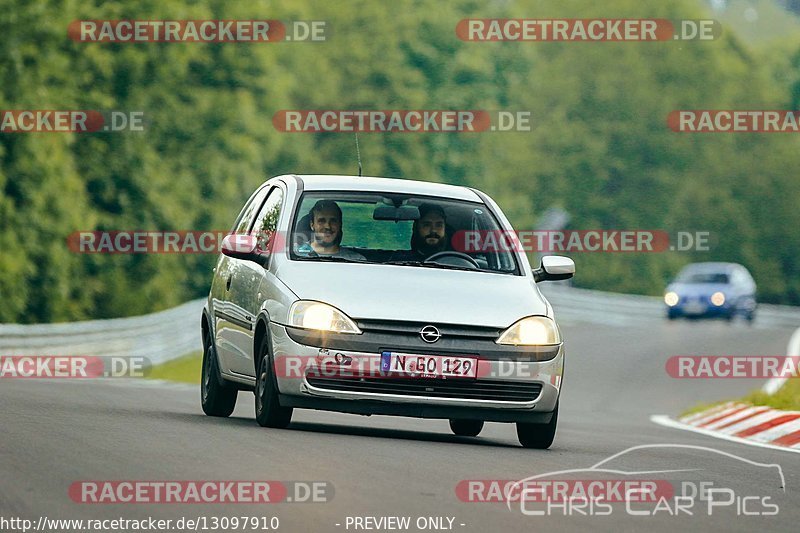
(228, 283)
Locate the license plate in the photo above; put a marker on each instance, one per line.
(694, 308)
(429, 366)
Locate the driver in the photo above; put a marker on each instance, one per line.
(325, 220)
(428, 236)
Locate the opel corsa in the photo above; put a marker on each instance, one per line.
(382, 296)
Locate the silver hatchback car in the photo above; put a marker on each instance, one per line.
(382, 296)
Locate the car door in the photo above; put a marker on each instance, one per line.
(244, 298)
(228, 321)
(745, 289)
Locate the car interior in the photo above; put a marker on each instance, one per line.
(391, 211)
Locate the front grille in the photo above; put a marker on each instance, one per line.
(413, 329)
(495, 390)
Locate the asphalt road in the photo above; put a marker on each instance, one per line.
(56, 432)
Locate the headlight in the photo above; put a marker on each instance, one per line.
(718, 299)
(534, 330)
(320, 316)
(671, 299)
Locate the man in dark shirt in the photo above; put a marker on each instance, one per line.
(428, 235)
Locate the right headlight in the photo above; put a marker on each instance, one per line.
(531, 331)
(321, 317)
(671, 299)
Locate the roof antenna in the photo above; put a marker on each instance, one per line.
(358, 154)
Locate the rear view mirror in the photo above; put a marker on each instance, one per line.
(554, 268)
(390, 212)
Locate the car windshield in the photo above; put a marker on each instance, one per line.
(398, 229)
(702, 277)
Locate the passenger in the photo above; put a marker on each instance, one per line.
(325, 220)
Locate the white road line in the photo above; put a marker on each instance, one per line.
(792, 350)
(664, 420)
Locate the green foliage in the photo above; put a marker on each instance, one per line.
(599, 148)
(787, 397)
(186, 369)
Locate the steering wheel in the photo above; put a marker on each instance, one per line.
(458, 255)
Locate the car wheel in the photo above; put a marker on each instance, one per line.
(466, 428)
(216, 398)
(269, 412)
(539, 436)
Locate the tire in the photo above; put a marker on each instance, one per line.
(466, 428)
(538, 436)
(216, 398)
(269, 412)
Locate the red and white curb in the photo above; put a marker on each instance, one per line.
(744, 423)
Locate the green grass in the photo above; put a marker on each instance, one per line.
(185, 369)
(787, 398)
(701, 407)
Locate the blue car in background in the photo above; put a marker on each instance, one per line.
(711, 290)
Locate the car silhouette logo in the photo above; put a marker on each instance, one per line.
(430, 334)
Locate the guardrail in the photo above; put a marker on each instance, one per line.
(159, 336)
(623, 309)
(175, 332)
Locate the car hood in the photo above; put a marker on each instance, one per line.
(419, 294)
(698, 289)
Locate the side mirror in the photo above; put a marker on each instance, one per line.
(243, 247)
(554, 268)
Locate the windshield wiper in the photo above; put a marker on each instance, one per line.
(432, 264)
(329, 258)
(403, 262)
(448, 267)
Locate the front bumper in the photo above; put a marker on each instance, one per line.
(700, 310)
(529, 386)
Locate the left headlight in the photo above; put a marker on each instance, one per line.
(322, 317)
(531, 331)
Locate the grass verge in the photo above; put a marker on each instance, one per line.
(185, 369)
(787, 398)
